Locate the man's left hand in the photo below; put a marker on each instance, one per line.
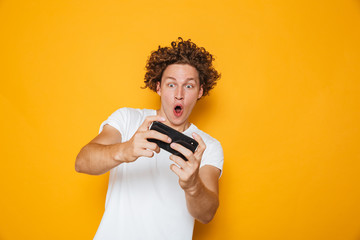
(188, 171)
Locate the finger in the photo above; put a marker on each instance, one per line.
(179, 161)
(148, 120)
(157, 149)
(151, 146)
(146, 153)
(176, 170)
(157, 135)
(183, 150)
(201, 148)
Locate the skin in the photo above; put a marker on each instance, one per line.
(179, 85)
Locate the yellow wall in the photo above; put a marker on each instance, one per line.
(287, 110)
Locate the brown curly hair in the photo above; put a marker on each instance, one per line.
(181, 52)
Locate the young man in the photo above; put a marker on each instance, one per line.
(153, 194)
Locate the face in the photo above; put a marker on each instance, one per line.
(179, 91)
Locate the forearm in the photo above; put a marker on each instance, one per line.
(201, 202)
(96, 159)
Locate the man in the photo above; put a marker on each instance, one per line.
(153, 194)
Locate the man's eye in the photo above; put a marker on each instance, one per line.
(171, 85)
(189, 86)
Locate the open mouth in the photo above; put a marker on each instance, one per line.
(178, 109)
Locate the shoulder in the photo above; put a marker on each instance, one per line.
(127, 120)
(133, 113)
(209, 140)
(213, 154)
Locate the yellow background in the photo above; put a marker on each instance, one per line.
(286, 110)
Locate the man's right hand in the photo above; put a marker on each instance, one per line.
(107, 150)
(138, 145)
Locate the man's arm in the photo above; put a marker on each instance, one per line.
(203, 200)
(200, 185)
(98, 156)
(106, 150)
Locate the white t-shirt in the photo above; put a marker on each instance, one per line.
(144, 199)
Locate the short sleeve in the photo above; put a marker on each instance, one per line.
(117, 120)
(213, 155)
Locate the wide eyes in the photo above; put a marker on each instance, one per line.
(171, 85)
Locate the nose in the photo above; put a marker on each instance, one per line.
(179, 94)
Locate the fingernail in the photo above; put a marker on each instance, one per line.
(169, 140)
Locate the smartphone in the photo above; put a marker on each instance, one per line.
(176, 137)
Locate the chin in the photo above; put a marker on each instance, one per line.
(177, 122)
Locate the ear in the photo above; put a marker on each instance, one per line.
(158, 88)
(201, 92)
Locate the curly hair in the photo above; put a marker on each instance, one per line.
(181, 52)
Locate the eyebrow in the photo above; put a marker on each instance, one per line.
(188, 79)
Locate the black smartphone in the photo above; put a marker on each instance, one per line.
(176, 137)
